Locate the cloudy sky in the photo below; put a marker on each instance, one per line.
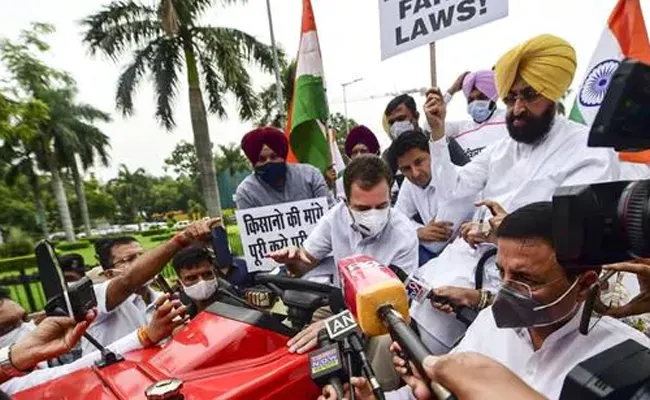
(349, 37)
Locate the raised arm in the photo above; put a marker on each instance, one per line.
(150, 264)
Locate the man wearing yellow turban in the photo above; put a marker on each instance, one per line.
(543, 151)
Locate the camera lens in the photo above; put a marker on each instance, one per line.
(634, 217)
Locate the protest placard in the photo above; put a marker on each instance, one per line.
(271, 228)
(406, 24)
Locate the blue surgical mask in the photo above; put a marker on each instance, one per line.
(272, 173)
(480, 110)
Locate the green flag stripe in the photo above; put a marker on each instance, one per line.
(308, 141)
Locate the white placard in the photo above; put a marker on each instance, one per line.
(271, 228)
(407, 24)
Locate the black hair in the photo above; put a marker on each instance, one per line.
(403, 143)
(104, 249)
(72, 262)
(535, 221)
(4, 293)
(408, 101)
(190, 257)
(366, 170)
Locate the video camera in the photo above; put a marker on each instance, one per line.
(604, 223)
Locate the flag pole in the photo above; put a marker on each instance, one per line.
(276, 64)
(432, 61)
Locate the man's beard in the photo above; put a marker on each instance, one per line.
(535, 128)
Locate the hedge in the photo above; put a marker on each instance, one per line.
(154, 232)
(13, 264)
(160, 238)
(67, 246)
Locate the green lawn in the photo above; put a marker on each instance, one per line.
(19, 294)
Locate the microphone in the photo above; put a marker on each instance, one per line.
(343, 327)
(378, 300)
(419, 292)
(326, 365)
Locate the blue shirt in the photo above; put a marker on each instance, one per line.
(302, 182)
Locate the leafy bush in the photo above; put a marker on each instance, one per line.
(160, 238)
(17, 243)
(17, 263)
(67, 246)
(154, 232)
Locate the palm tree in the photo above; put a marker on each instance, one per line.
(168, 39)
(231, 159)
(268, 114)
(129, 188)
(51, 87)
(92, 143)
(21, 162)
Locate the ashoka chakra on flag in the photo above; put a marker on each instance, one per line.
(596, 83)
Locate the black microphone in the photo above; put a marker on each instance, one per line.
(343, 327)
(326, 365)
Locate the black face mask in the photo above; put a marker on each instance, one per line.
(512, 309)
(535, 129)
(272, 173)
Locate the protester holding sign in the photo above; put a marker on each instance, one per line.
(488, 122)
(274, 181)
(544, 151)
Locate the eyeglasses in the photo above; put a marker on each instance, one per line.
(527, 95)
(128, 259)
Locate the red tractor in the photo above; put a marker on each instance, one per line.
(227, 352)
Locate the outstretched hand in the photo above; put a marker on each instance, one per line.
(51, 338)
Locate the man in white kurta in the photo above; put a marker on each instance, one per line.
(543, 152)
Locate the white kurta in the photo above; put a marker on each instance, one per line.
(545, 369)
(413, 200)
(474, 137)
(126, 344)
(513, 174)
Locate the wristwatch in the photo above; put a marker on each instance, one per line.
(6, 367)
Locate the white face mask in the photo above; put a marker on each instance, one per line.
(17, 334)
(201, 290)
(370, 222)
(400, 127)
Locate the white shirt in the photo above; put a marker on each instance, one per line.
(512, 174)
(126, 344)
(413, 200)
(545, 369)
(634, 171)
(396, 244)
(474, 137)
(110, 326)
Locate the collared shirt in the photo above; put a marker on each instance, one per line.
(126, 344)
(545, 369)
(302, 182)
(512, 174)
(474, 137)
(414, 200)
(396, 244)
(110, 326)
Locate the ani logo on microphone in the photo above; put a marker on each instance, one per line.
(340, 324)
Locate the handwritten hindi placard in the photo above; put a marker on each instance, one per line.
(271, 228)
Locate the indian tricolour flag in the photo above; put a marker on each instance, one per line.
(308, 112)
(625, 36)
